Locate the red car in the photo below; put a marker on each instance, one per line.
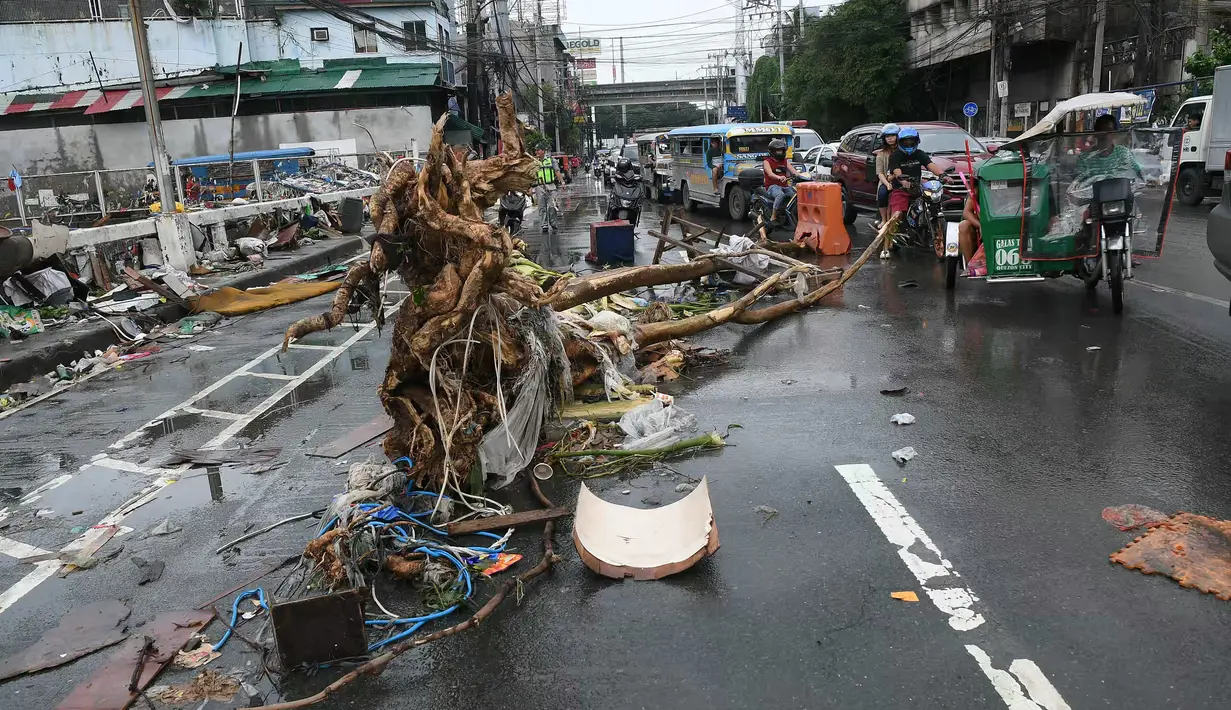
(854, 166)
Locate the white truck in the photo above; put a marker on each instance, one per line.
(1206, 141)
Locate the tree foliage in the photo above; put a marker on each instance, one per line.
(851, 66)
(1202, 63)
(536, 139)
(764, 99)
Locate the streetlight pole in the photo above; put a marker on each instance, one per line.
(781, 56)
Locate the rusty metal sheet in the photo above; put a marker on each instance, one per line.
(107, 688)
(81, 631)
(320, 629)
(1194, 550)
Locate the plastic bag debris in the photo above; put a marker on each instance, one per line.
(248, 246)
(166, 527)
(655, 424)
(1130, 516)
(902, 419)
(685, 487)
(735, 245)
(904, 454)
(765, 510)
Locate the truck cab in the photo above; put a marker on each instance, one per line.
(1201, 163)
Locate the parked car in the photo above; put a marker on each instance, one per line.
(854, 167)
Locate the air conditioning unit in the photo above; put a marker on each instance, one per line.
(320, 34)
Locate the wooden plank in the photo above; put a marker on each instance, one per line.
(354, 438)
(108, 687)
(504, 522)
(152, 285)
(758, 275)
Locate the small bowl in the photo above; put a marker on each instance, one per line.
(543, 471)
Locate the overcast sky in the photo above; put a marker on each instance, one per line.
(662, 39)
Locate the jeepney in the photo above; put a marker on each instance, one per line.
(739, 146)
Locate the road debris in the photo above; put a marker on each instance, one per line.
(320, 629)
(108, 688)
(166, 527)
(685, 487)
(1093, 348)
(902, 419)
(895, 390)
(765, 511)
(617, 541)
(81, 632)
(1194, 550)
(904, 454)
(197, 657)
(1132, 516)
(905, 596)
(206, 685)
(217, 457)
(148, 571)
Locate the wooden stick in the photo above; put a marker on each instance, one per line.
(501, 522)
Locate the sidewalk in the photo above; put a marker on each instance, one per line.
(39, 354)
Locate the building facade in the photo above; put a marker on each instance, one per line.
(70, 99)
(1047, 51)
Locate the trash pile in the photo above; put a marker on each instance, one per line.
(330, 177)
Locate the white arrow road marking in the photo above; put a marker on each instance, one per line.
(1023, 686)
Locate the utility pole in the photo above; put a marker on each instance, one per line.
(623, 107)
(538, 68)
(153, 121)
(992, 77)
(472, 62)
(1096, 76)
(781, 57)
(176, 244)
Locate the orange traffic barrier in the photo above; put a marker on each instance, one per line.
(820, 225)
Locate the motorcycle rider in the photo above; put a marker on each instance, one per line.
(544, 190)
(778, 171)
(906, 166)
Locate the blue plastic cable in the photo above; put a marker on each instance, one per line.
(259, 593)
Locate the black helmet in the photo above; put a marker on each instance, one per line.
(777, 148)
(624, 166)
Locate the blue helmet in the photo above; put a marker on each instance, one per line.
(890, 129)
(907, 134)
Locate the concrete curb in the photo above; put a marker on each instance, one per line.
(43, 354)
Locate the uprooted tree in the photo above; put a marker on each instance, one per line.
(472, 326)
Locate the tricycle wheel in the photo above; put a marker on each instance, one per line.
(1115, 264)
(951, 263)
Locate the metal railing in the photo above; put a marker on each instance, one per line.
(83, 198)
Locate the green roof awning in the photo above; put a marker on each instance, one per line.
(280, 78)
(457, 123)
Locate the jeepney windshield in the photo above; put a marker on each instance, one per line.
(749, 145)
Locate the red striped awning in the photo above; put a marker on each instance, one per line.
(132, 98)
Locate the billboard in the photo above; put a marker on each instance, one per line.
(584, 47)
(587, 70)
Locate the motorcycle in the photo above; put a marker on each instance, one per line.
(923, 224)
(512, 211)
(761, 207)
(624, 200)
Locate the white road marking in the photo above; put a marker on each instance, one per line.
(1035, 692)
(1023, 686)
(957, 602)
(269, 375)
(168, 476)
(1179, 292)
(37, 576)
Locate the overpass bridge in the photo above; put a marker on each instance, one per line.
(659, 92)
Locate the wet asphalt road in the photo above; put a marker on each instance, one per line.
(1023, 435)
